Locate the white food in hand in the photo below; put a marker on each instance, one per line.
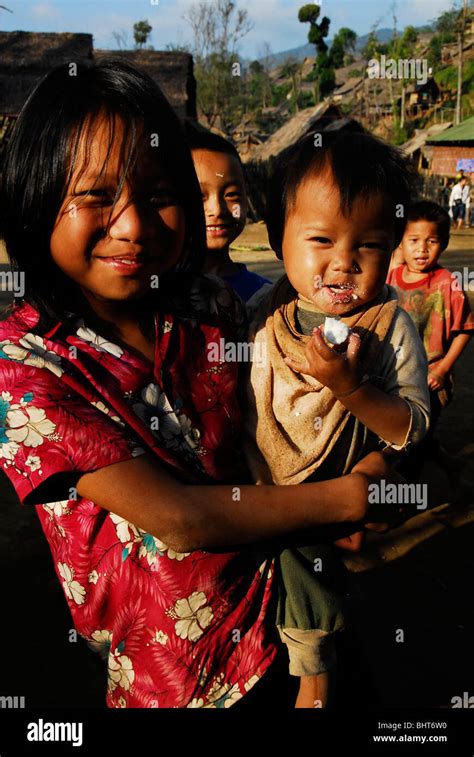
(335, 331)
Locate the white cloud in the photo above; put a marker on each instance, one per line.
(44, 10)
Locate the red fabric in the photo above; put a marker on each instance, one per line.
(437, 306)
(178, 630)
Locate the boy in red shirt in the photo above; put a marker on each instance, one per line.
(434, 299)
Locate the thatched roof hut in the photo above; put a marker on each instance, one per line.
(260, 167)
(307, 120)
(25, 57)
(172, 71)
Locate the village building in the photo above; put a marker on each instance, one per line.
(418, 151)
(453, 149)
(25, 57)
(321, 117)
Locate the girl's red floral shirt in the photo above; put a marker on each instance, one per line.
(177, 629)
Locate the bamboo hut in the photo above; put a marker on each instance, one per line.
(25, 57)
(173, 72)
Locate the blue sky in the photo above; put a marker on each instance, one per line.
(275, 21)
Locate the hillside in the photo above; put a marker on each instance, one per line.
(304, 51)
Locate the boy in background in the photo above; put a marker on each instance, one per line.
(219, 171)
(438, 306)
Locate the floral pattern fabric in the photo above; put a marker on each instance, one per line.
(176, 629)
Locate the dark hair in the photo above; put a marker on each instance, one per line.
(199, 138)
(425, 210)
(40, 159)
(361, 163)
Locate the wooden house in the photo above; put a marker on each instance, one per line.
(452, 149)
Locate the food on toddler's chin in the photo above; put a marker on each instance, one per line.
(335, 331)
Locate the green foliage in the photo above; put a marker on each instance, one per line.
(305, 100)
(356, 72)
(447, 78)
(141, 32)
(343, 43)
(309, 13)
(399, 135)
(372, 48)
(279, 93)
(446, 23)
(324, 72)
(256, 67)
(327, 81)
(404, 45)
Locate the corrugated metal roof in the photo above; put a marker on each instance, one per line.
(462, 133)
(419, 139)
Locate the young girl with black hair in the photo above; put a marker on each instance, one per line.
(114, 422)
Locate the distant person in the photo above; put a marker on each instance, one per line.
(457, 201)
(437, 305)
(467, 203)
(219, 171)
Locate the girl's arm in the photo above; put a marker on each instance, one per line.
(188, 517)
(438, 371)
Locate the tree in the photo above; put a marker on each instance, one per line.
(218, 26)
(141, 32)
(404, 47)
(342, 44)
(324, 72)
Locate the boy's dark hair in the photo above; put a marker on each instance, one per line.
(199, 138)
(40, 159)
(362, 165)
(425, 210)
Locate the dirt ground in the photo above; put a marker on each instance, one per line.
(417, 579)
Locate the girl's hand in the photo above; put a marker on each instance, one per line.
(375, 467)
(351, 543)
(338, 371)
(436, 379)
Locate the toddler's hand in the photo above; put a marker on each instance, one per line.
(339, 371)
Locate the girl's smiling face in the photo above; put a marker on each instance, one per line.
(115, 253)
(336, 260)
